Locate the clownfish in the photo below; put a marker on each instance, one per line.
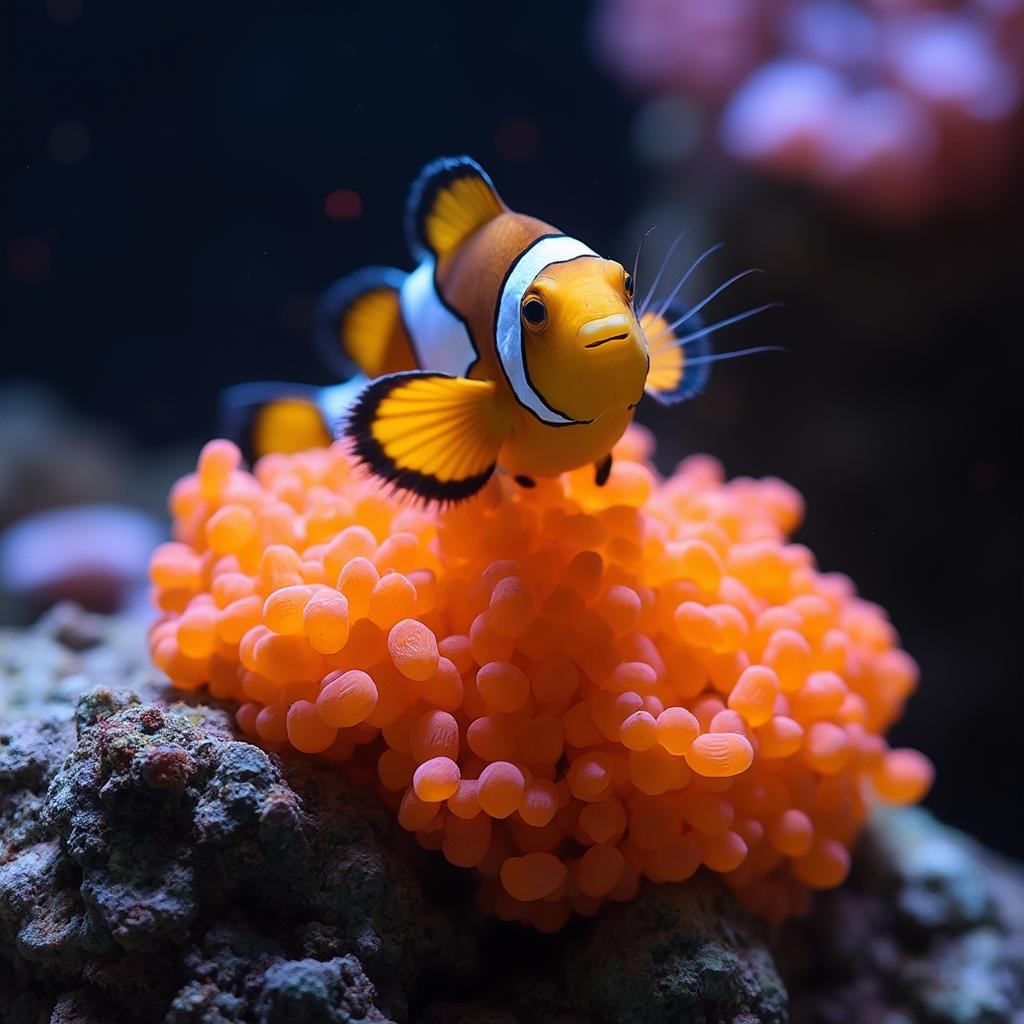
(510, 345)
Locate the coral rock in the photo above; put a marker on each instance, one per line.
(679, 952)
(930, 928)
(157, 819)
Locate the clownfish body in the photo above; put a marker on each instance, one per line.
(511, 344)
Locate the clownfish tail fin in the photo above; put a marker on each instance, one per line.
(435, 436)
(451, 198)
(677, 372)
(266, 417)
(358, 324)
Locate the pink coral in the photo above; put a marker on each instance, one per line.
(896, 106)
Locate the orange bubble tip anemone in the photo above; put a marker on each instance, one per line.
(566, 689)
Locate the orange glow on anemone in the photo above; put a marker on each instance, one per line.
(565, 689)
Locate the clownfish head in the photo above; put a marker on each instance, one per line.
(583, 346)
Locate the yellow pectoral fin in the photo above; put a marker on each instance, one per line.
(669, 379)
(666, 370)
(428, 433)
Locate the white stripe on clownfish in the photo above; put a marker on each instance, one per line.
(508, 331)
(439, 337)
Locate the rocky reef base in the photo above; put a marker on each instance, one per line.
(155, 868)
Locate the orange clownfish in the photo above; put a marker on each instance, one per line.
(511, 344)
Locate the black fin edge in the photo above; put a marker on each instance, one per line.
(366, 448)
(239, 405)
(435, 176)
(335, 303)
(695, 379)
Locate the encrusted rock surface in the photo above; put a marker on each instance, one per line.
(128, 862)
(677, 953)
(930, 927)
(154, 868)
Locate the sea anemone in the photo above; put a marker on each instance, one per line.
(565, 689)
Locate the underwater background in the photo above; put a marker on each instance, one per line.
(188, 177)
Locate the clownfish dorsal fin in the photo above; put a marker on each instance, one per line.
(671, 377)
(452, 197)
(431, 434)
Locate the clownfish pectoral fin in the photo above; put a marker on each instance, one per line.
(672, 377)
(433, 435)
(452, 197)
(270, 417)
(358, 324)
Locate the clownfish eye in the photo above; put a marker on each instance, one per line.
(627, 283)
(534, 313)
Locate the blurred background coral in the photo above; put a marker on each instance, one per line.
(187, 178)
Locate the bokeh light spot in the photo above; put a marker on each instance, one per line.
(343, 204)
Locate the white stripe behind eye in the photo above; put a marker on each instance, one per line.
(508, 333)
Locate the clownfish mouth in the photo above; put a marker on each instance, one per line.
(605, 329)
(604, 341)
